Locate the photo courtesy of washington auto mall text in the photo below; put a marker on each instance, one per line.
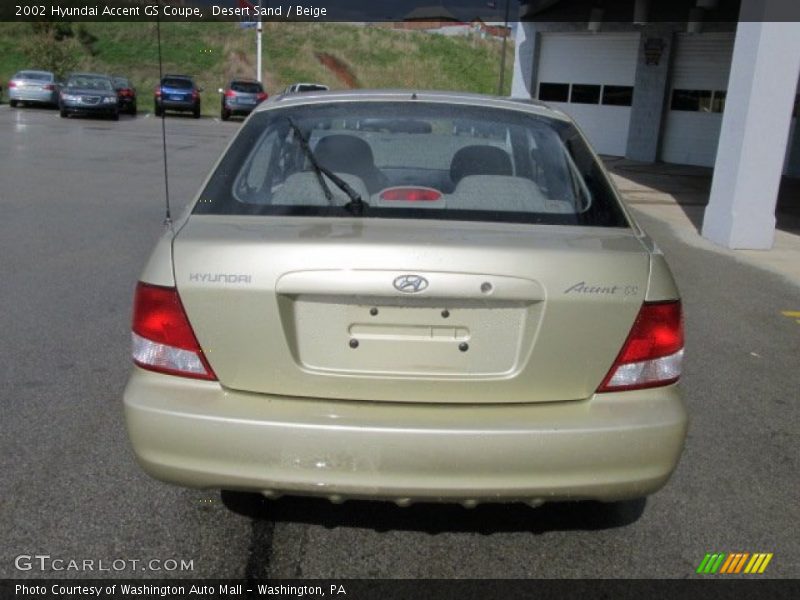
(178, 590)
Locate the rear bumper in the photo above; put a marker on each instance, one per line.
(21, 95)
(239, 109)
(177, 105)
(198, 434)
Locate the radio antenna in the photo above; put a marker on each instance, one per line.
(168, 215)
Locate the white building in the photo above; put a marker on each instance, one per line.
(716, 88)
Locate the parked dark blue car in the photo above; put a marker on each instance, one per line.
(177, 93)
(89, 94)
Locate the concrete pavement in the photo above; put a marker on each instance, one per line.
(677, 196)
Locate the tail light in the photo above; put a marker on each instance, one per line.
(163, 340)
(411, 194)
(49, 87)
(12, 84)
(652, 354)
(230, 93)
(158, 92)
(195, 94)
(262, 96)
(125, 92)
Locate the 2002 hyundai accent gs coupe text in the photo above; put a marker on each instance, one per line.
(408, 296)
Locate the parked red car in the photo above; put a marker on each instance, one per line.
(126, 94)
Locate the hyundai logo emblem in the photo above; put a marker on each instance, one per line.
(410, 284)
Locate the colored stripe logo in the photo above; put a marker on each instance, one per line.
(734, 563)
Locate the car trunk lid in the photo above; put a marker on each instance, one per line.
(394, 310)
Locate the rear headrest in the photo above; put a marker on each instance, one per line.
(479, 160)
(350, 154)
(345, 153)
(498, 192)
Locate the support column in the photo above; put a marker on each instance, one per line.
(755, 129)
(649, 92)
(525, 50)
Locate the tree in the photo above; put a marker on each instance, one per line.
(52, 47)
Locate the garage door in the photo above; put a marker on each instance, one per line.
(700, 69)
(590, 77)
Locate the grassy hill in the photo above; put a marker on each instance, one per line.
(337, 54)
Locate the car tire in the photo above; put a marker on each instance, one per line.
(115, 115)
(246, 504)
(614, 514)
(64, 114)
(133, 110)
(196, 112)
(12, 103)
(225, 115)
(159, 112)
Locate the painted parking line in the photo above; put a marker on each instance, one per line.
(792, 314)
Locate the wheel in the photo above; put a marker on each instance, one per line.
(196, 112)
(115, 115)
(225, 115)
(12, 103)
(132, 110)
(64, 114)
(159, 111)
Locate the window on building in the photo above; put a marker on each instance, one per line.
(585, 94)
(554, 92)
(718, 103)
(698, 100)
(618, 95)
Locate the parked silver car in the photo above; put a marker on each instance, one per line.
(33, 87)
(301, 88)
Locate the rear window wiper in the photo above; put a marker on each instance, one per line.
(356, 204)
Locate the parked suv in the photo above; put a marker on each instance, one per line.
(177, 93)
(241, 97)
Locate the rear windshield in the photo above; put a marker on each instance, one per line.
(246, 87)
(310, 87)
(177, 83)
(33, 76)
(121, 82)
(413, 160)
